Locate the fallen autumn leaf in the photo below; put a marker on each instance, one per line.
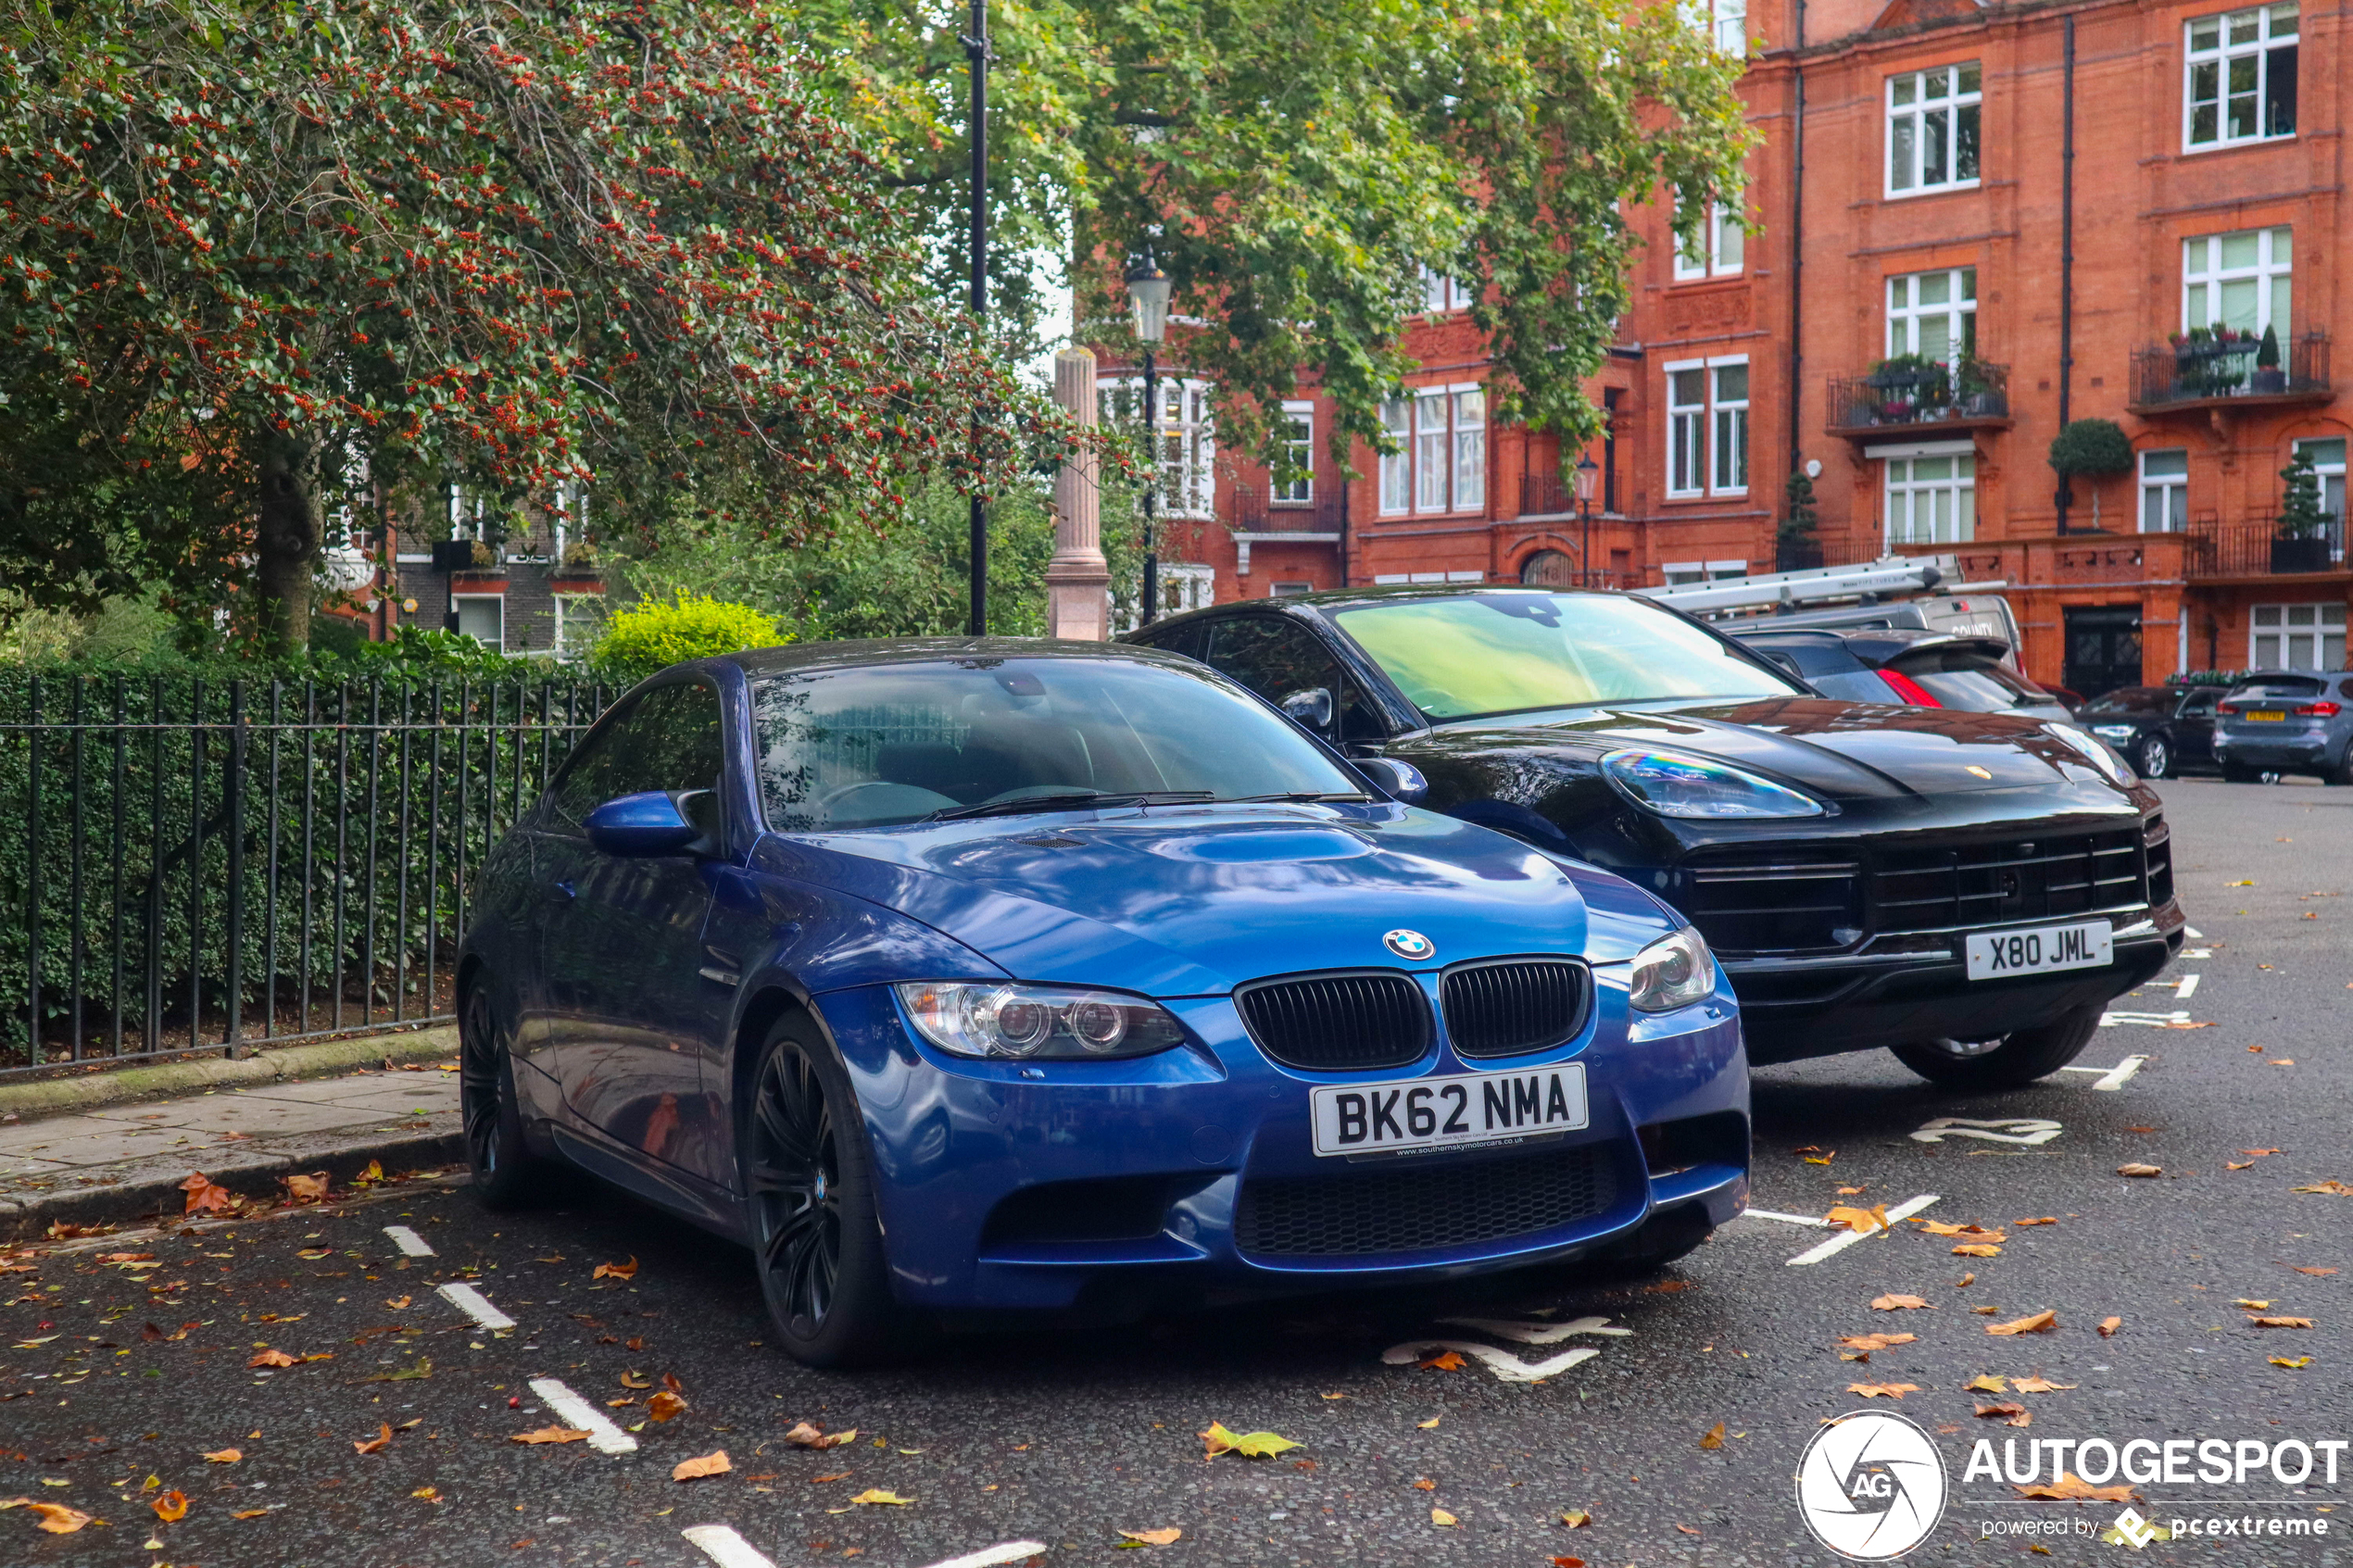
(2037, 1322)
(713, 1463)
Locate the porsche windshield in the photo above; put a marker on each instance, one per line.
(1464, 656)
(901, 743)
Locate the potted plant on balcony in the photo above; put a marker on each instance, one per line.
(1796, 546)
(2301, 533)
(1977, 394)
(1907, 383)
(2268, 377)
(2094, 448)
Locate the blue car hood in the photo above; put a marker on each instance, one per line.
(1194, 901)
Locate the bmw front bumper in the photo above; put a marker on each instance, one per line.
(1028, 1186)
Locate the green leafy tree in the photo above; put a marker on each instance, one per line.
(263, 262)
(1799, 517)
(1296, 166)
(656, 633)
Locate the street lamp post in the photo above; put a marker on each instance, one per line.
(976, 46)
(1148, 289)
(1588, 473)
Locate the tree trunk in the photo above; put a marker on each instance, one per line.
(291, 533)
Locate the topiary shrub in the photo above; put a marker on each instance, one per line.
(657, 634)
(2091, 446)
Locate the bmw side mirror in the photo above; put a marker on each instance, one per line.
(1398, 781)
(1312, 708)
(648, 823)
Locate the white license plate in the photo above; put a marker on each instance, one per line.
(1998, 954)
(1468, 1108)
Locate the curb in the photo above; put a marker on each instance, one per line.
(254, 1173)
(52, 1095)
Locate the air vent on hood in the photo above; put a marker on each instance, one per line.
(1510, 1008)
(1338, 1022)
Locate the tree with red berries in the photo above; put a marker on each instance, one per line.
(264, 263)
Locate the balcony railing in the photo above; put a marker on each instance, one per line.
(2257, 548)
(2207, 374)
(1255, 513)
(1910, 396)
(1547, 494)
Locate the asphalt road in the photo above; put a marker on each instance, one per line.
(1067, 1438)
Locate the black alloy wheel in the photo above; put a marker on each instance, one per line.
(815, 1239)
(2007, 1062)
(506, 1174)
(2153, 758)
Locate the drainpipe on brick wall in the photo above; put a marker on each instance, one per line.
(1797, 251)
(2067, 251)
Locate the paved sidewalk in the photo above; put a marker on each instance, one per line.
(127, 1162)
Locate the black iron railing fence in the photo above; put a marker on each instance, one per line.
(189, 863)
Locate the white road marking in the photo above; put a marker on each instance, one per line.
(1502, 1364)
(2174, 1020)
(1785, 1219)
(1012, 1551)
(469, 1300)
(412, 1245)
(2026, 1131)
(1845, 1239)
(2186, 987)
(2197, 952)
(1537, 1332)
(2193, 933)
(603, 1435)
(2122, 1074)
(723, 1546)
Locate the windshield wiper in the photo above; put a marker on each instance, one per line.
(1067, 801)
(1294, 796)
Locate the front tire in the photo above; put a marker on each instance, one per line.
(2013, 1061)
(817, 1241)
(2154, 758)
(506, 1174)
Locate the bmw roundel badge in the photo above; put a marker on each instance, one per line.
(1409, 944)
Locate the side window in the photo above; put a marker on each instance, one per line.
(2199, 704)
(667, 739)
(1285, 663)
(1184, 639)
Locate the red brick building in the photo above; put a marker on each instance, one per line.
(1970, 223)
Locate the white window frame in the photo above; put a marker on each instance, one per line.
(1680, 572)
(2332, 477)
(458, 600)
(2208, 46)
(1950, 103)
(1187, 450)
(1963, 488)
(1432, 440)
(1301, 443)
(1730, 29)
(2320, 625)
(1686, 432)
(1470, 411)
(1720, 251)
(2170, 492)
(1397, 468)
(1708, 440)
(1959, 311)
(1728, 428)
(1442, 296)
(2273, 275)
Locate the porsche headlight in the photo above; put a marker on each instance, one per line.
(2111, 766)
(1673, 972)
(1035, 1023)
(1674, 784)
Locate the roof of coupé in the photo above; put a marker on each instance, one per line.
(799, 657)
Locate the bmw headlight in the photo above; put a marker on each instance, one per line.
(1034, 1022)
(1676, 784)
(1673, 972)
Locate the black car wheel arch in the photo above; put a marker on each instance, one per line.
(506, 1174)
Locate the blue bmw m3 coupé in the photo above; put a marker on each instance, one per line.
(958, 976)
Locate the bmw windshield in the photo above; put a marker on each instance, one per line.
(894, 744)
(1472, 656)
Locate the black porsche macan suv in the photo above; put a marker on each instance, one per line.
(1966, 889)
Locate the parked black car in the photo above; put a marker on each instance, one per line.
(1904, 665)
(1966, 889)
(2158, 729)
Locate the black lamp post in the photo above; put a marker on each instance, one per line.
(1588, 473)
(976, 46)
(1148, 289)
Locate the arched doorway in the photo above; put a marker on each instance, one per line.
(1549, 569)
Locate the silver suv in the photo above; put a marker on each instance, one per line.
(2286, 722)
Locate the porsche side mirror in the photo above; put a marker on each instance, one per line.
(1398, 781)
(648, 823)
(1312, 708)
